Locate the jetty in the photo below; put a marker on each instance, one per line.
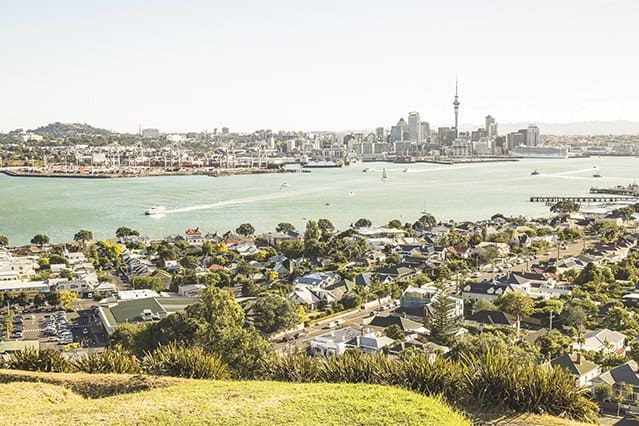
(579, 198)
(628, 191)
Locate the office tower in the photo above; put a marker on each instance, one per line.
(532, 135)
(491, 127)
(413, 123)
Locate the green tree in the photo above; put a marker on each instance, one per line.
(625, 213)
(483, 305)
(4, 241)
(565, 206)
(442, 318)
(66, 298)
(619, 319)
(395, 223)
(190, 262)
(325, 226)
(312, 231)
(285, 227)
(124, 231)
(293, 249)
(40, 240)
(274, 313)
(245, 229)
(553, 344)
(142, 282)
(394, 332)
(363, 223)
(425, 221)
(515, 303)
(83, 236)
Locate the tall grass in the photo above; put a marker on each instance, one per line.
(109, 361)
(490, 381)
(190, 362)
(45, 360)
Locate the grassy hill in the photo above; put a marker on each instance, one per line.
(217, 402)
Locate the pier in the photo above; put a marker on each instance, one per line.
(628, 191)
(579, 199)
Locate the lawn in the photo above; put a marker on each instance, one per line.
(225, 402)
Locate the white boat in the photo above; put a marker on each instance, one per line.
(368, 169)
(384, 177)
(155, 210)
(285, 185)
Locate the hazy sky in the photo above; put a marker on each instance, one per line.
(310, 65)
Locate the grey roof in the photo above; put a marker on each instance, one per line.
(569, 362)
(624, 373)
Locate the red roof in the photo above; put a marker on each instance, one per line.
(192, 232)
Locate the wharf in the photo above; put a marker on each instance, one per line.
(579, 199)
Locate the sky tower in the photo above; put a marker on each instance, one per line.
(456, 105)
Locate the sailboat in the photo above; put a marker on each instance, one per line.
(384, 177)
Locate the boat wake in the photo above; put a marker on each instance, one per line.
(247, 200)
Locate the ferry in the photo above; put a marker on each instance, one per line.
(155, 211)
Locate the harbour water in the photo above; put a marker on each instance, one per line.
(60, 207)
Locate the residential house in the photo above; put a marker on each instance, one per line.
(579, 367)
(626, 374)
(333, 343)
(605, 341)
(194, 237)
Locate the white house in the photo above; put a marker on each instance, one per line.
(606, 341)
(334, 342)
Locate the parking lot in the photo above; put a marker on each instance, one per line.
(56, 328)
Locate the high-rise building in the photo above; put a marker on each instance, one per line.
(532, 135)
(380, 133)
(413, 124)
(491, 127)
(456, 108)
(399, 131)
(515, 139)
(424, 131)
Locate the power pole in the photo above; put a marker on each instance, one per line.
(550, 325)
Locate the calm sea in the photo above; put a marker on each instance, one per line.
(60, 207)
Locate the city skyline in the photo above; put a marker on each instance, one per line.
(247, 66)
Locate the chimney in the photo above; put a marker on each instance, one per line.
(579, 358)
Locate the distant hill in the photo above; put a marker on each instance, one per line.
(62, 130)
(578, 128)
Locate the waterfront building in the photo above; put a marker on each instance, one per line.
(514, 139)
(380, 134)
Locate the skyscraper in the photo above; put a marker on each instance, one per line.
(491, 127)
(532, 136)
(413, 123)
(398, 132)
(456, 106)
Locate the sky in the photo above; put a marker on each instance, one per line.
(314, 65)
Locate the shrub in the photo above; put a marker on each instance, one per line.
(109, 361)
(294, 367)
(45, 360)
(194, 363)
(495, 380)
(355, 367)
(441, 377)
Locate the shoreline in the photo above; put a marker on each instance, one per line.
(154, 173)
